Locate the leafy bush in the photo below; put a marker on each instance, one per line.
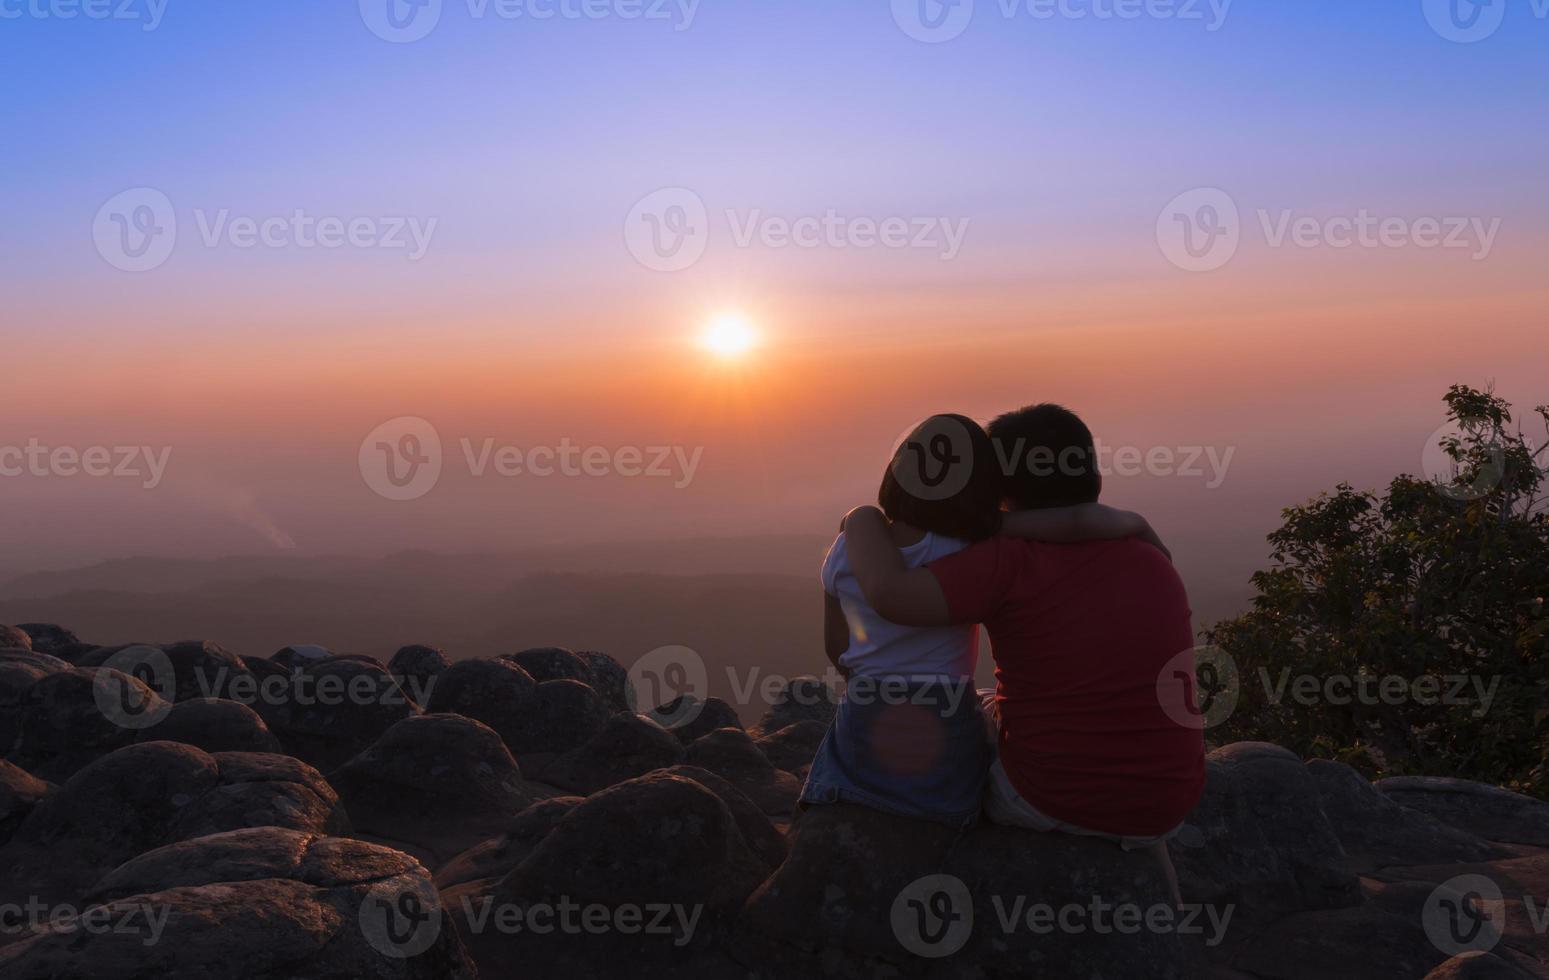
(1431, 582)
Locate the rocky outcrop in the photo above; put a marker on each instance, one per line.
(213, 725)
(628, 746)
(569, 714)
(1488, 811)
(691, 718)
(487, 862)
(731, 754)
(48, 637)
(1477, 966)
(496, 692)
(144, 796)
(1258, 839)
(333, 710)
(69, 718)
(609, 679)
(198, 669)
(801, 699)
(19, 670)
(14, 638)
(757, 829)
(865, 893)
(551, 664)
(416, 668)
(793, 747)
(268, 903)
(1376, 832)
(660, 842)
(434, 785)
(20, 793)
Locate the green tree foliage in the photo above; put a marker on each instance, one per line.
(1434, 580)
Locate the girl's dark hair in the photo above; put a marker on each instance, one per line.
(943, 478)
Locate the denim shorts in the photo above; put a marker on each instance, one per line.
(910, 747)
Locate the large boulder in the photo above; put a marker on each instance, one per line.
(609, 679)
(496, 692)
(867, 893)
(800, 699)
(433, 784)
(1258, 838)
(182, 671)
(214, 725)
(658, 844)
(551, 664)
(1488, 811)
(268, 903)
(732, 754)
(793, 747)
(692, 718)
(14, 638)
(487, 862)
(20, 793)
(299, 655)
(335, 709)
(757, 829)
(628, 746)
(144, 796)
(19, 670)
(72, 717)
(48, 637)
(569, 714)
(416, 668)
(1376, 832)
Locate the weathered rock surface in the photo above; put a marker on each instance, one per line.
(691, 718)
(660, 841)
(609, 679)
(20, 792)
(335, 709)
(70, 718)
(144, 796)
(14, 638)
(200, 669)
(1376, 832)
(268, 903)
(569, 715)
(802, 699)
(757, 829)
(793, 747)
(1477, 966)
(48, 637)
(1488, 811)
(732, 754)
(1258, 838)
(551, 664)
(19, 670)
(213, 725)
(486, 862)
(417, 668)
(496, 692)
(859, 884)
(628, 746)
(436, 784)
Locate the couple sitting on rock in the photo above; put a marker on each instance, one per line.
(1086, 732)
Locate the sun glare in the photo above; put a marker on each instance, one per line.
(730, 335)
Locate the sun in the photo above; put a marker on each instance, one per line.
(730, 335)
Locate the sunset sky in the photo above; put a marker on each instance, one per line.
(523, 146)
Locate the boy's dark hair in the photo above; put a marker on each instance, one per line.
(1049, 456)
(944, 478)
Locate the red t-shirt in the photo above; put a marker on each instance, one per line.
(1081, 633)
